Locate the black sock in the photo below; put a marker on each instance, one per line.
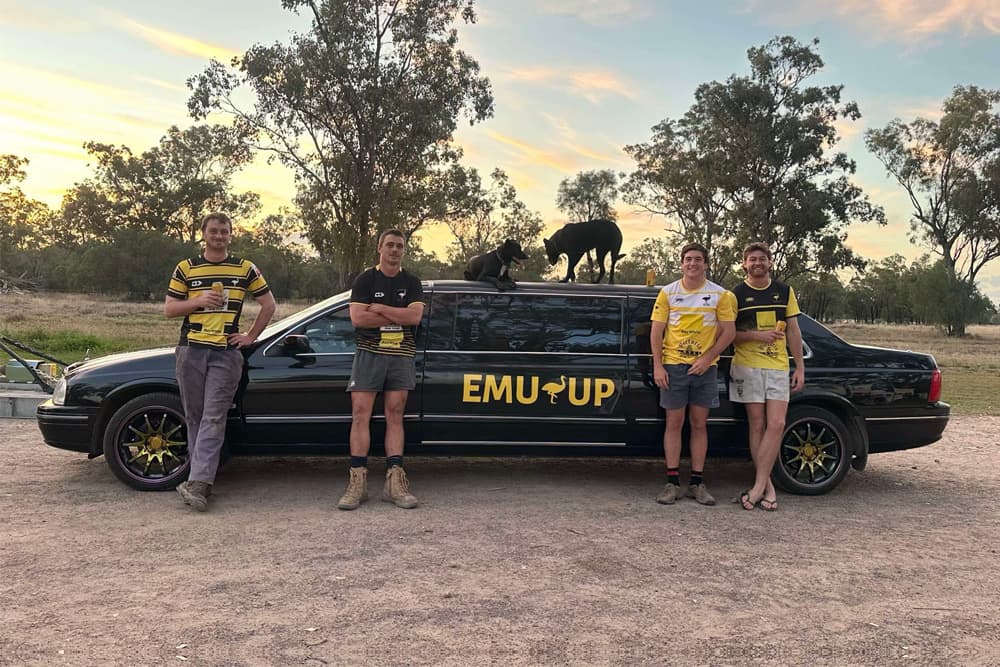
(392, 461)
(359, 461)
(674, 476)
(695, 478)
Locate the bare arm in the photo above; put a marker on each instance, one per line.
(724, 334)
(267, 308)
(656, 331)
(766, 337)
(174, 307)
(408, 316)
(364, 318)
(795, 347)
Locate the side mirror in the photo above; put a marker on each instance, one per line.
(297, 344)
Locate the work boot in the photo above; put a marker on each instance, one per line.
(397, 489)
(700, 494)
(195, 494)
(357, 490)
(669, 495)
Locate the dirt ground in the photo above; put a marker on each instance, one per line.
(506, 562)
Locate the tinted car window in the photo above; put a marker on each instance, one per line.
(639, 312)
(531, 323)
(331, 333)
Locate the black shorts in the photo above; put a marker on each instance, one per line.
(381, 372)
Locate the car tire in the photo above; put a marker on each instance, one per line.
(815, 451)
(145, 442)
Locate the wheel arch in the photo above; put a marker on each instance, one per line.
(118, 397)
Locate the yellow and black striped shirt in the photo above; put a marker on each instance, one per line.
(194, 276)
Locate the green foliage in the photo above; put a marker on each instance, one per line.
(22, 220)
(493, 215)
(167, 189)
(750, 161)
(656, 253)
(363, 108)
(589, 195)
(951, 171)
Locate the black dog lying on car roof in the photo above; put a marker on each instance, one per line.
(577, 238)
(494, 267)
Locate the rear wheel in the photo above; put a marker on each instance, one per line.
(815, 452)
(145, 443)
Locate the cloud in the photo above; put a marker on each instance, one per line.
(598, 12)
(531, 154)
(171, 42)
(176, 87)
(592, 85)
(24, 15)
(900, 20)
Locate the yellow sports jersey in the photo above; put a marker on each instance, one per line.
(692, 319)
(234, 277)
(762, 310)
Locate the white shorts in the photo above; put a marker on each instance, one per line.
(757, 385)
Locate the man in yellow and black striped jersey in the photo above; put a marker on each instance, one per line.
(387, 303)
(209, 291)
(767, 327)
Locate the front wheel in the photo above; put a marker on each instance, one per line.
(815, 452)
(145, 443)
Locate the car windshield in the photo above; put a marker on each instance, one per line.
(302, 315)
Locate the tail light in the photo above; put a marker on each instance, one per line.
(934, 394)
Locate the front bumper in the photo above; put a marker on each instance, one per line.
(66, 427)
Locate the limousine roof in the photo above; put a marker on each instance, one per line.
(541, 288)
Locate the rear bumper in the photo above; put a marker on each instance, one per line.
(893, 433)
(65, 427)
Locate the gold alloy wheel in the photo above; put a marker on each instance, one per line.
(154, 444)
(811, 449)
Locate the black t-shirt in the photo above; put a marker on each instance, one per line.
(399, 291)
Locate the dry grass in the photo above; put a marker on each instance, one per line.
(66, 325)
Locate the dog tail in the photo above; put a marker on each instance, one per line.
(619, 256)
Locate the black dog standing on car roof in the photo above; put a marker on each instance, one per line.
(577, 238)
(494, 267)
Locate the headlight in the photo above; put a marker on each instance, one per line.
(59, 393)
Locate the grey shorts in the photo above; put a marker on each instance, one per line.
(701, 390)
(381, 372)
(757, 385)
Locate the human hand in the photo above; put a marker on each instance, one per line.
(660, 376)
(798, 378)
(769, 337)
(240, 340)
(700, 365)
(209, 300)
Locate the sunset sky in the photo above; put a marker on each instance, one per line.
(574, 81)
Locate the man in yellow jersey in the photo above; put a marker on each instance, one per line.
(387, 303)
(208, 291)
(766, 328)
(692, 323)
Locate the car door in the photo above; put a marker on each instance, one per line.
(524, 368)
(645, 417)
(298, 395)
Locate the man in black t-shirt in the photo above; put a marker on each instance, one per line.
(386, 307)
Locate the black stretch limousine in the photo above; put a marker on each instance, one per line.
(548, 368)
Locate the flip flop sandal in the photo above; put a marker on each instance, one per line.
(744, 501)
(767, 505)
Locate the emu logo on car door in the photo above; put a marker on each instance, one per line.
(526, 389)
